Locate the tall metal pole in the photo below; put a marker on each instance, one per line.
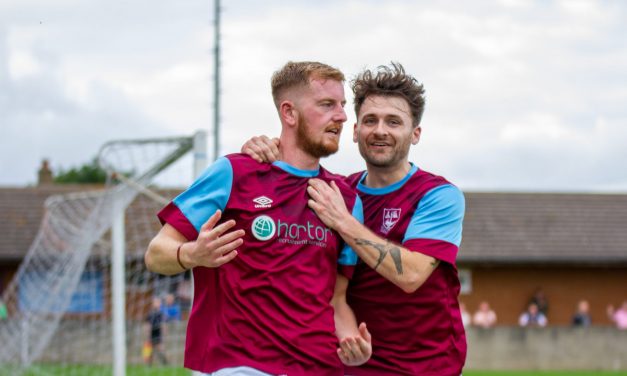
(216, 85)
(118, 299)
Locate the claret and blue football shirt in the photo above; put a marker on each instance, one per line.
(269, 308)
(419, 333)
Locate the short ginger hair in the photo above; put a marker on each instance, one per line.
(297, 74)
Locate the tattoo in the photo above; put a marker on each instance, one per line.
(384, 249)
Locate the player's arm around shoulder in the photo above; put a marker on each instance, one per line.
(262, 149)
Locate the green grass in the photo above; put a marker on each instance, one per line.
(94, 370)
(545, 373)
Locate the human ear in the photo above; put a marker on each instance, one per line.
(415, 135)
(288, 113)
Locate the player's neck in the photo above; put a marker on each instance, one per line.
(380, 177)
(298, 158)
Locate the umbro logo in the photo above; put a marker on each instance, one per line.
(262, 202)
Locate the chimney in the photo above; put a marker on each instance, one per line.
(45, 174)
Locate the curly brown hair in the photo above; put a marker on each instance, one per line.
(390, 81)
(298, 73)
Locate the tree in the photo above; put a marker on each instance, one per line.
(89, 173)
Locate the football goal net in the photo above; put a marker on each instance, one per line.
(81, 301)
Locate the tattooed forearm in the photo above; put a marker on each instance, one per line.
(396, 256)
(384, 249)
(379, 247)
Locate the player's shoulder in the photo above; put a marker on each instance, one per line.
(430, 177)
(241, 158)
(434, 188)
(244, 162)
(429, 181)
(440, 192)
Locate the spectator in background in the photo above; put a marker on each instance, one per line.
(155, 333)
(171, 309)
(485, 317)
(466, 320)
(540, 300)
(582, 315)
(619, 316)
(184, 294)
(532, 317)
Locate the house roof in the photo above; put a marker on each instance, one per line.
(545, 227)
(498, 227)
(21, 211)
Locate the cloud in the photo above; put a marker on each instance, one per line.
(42, 120)
(520, 94)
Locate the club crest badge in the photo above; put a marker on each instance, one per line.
(390, 218)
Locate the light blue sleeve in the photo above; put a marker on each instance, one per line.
(347, 255)
(438, 216)
(210, 192)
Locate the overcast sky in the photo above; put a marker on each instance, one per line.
(521, 95)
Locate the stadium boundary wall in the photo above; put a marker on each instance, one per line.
(550, 348)
(499, 348)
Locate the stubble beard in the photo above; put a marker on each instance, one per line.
(383, 160)
(317, 149)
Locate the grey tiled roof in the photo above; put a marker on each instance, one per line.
(499, 227)
(21, 210)
(545, 227)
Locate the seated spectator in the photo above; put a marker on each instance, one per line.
(532, 317)
(485, 317)
(465, 315)
(619, 316)
(171, 309)
(582, 315)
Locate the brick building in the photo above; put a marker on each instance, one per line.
(572, 246)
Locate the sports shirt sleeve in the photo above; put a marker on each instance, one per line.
(435, 228)
(348, 257)
(193, 207)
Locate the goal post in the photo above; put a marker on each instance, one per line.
(79, 297)
(118, 302)
(118, 297)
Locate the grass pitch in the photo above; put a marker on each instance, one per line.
(545, 373)
(93, 370)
